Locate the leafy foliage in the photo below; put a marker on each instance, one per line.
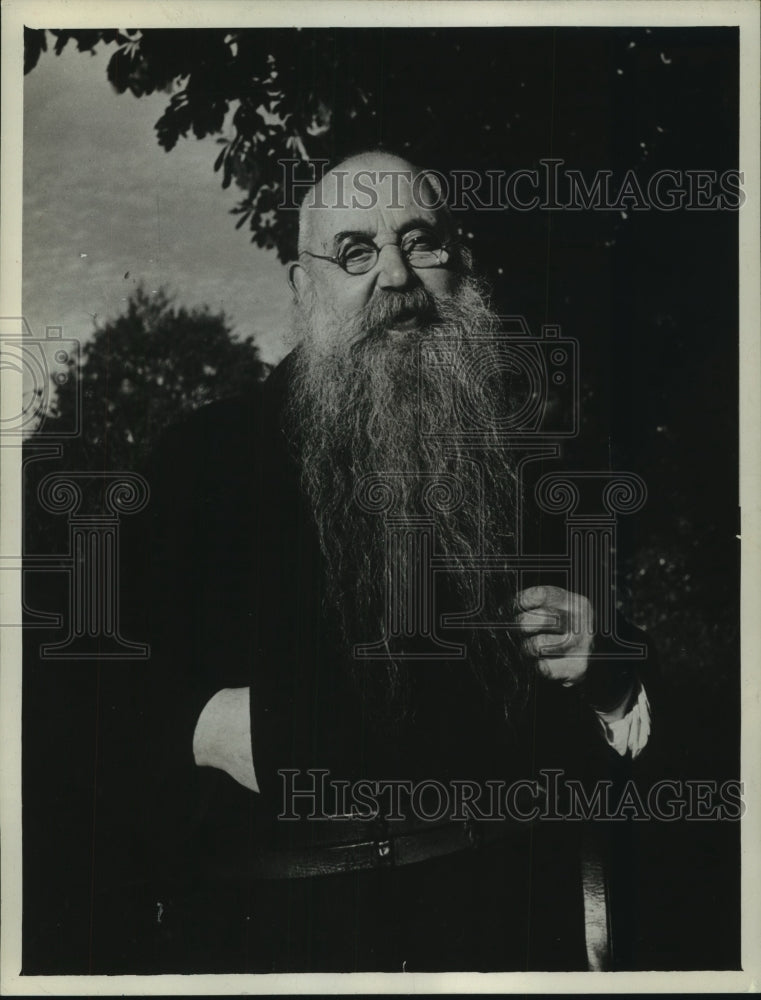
(143, 371)
(443, 96)
(138, 374)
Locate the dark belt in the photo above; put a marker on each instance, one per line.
(383, 850)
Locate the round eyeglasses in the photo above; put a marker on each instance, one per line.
(358, 254)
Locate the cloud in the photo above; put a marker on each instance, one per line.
(97, 182)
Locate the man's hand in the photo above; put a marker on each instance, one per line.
(557, 628)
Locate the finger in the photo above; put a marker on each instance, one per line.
(533, 622)
(575, 609)
(542, 645)
(531, 597)
(536, 597)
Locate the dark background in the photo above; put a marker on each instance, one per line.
(651, 298)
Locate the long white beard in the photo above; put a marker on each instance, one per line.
(358, 404)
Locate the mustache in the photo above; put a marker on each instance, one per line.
(382, 311)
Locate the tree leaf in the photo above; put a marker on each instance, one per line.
(221, 158)
(35, 43)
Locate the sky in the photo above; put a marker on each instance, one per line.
(103, 200)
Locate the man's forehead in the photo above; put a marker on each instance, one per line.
(372, 197)
(327, 224)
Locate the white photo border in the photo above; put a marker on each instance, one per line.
(343, 13)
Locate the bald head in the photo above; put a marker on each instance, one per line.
(373, 181)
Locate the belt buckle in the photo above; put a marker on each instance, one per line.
(383, 845)
(385, 853)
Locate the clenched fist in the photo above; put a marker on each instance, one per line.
(557, 629)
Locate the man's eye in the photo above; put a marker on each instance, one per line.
(421, 242)
(356, 254)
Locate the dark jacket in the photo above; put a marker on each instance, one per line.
(224, 577)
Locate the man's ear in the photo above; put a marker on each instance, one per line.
(297, 277)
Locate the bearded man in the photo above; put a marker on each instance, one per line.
(289, 662)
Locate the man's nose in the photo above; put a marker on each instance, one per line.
(393, 269)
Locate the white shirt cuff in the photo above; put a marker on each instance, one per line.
(633, 731)
(222, 736)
